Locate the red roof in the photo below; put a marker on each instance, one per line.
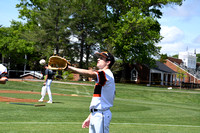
(175, 60)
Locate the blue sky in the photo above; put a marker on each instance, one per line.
(180, 25)
(8, 12)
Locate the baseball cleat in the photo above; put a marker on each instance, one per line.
(49, 101)
(41, 100)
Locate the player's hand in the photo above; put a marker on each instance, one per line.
(44, 83)
(86, 123)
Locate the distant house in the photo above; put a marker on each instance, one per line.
(158, 75)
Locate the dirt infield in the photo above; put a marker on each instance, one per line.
(11, 99)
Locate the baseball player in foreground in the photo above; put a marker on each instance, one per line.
(99, 119)
(3, 74)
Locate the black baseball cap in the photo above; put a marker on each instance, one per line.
(108, 56)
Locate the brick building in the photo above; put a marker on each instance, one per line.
(191, 76)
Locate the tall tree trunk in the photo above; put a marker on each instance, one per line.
(87, 55)
(57, 29)
(81, 51)
(81, 56)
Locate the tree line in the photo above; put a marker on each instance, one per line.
(75, 29)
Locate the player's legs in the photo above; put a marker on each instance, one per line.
(48, 84)
(96, 123)
(107, 119)
(100, 121)
(43, 93)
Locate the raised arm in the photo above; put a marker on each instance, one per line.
(84, 72)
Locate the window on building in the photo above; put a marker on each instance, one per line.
(134, 75)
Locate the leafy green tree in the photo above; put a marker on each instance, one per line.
(198, 57)
(163, 57)
(181, 75)
(136, 31)
(136, 36)
(86, 26)
(128, 29)
(52, 22)
(48, 23)
(12, 40)
(13, 46)
(175, 56)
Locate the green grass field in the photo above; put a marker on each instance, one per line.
(137, 109)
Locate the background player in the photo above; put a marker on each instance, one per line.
(3, 74)
(48, 80)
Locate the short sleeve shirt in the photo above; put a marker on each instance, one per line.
(104, 91)
(49, 72)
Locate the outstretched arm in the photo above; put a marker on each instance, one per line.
(84, 72)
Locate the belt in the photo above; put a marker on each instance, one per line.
(95, 110)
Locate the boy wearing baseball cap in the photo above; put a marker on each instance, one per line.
(104, 93)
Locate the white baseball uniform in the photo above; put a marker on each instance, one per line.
(103, 97)
(49, 74)
(3, 72)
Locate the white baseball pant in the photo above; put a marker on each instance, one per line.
(43, 91)
(100, 121)
(48, 84)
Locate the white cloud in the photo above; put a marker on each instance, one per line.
(171, 34)
(172, 42)
(172, 48)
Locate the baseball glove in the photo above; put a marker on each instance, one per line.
(57, 63)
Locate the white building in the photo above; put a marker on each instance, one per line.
(188, 59)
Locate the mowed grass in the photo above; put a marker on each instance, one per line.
(137, 109)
